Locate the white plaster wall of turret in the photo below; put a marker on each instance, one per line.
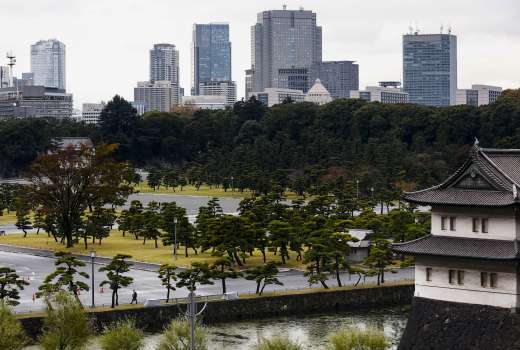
(503, 295)
(501, 222)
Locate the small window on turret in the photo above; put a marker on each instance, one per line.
(453, 223)
(429, 274)
(444, 220)
(484, 278)
(493, 280)
(485, 225)
(460, 277)
(476, 225)
(451, 276)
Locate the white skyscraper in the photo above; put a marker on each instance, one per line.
(48, 63)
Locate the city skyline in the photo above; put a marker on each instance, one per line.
(119, 53)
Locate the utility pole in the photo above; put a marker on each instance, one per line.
(175, 238)
(92, 257)
(192, 314)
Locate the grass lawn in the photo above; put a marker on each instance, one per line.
(204, 190)
(8, 218)
(116, 244)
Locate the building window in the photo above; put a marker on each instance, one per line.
(460, 277)
(453, 223)
(444, 219)
(476, 224)
(429, 274)
(452, 276)
(484, 279)
(493, 280)
(485, 225)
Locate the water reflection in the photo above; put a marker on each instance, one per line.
(310, 331)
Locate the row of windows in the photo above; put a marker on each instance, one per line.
(487, 279)
(478, 224)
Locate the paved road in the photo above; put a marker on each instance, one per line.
(35, 268)
(190, 203)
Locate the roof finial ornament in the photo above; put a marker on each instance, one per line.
(477, 143)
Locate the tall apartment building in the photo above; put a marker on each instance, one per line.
(228, 89)
(48, 63)
(387, 92)
(211, 54)
(160, 96)
(430, 68)
(91, 112)
(478, 95)
(164, 63)
(35, 102)
(283, 39)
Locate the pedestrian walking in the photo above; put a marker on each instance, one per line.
(134, 297)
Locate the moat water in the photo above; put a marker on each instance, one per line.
(310, 331)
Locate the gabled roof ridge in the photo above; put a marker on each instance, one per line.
(499, 150)
(412, 241)
(498, 168)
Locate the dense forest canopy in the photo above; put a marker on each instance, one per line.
(293, 144)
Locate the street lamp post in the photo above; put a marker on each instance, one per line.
(92, 257)
(175, 238)
(357, 188)
(232, 187)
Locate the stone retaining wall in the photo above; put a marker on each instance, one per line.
(155, 318)
(439, 325)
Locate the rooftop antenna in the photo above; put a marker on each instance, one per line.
(410, 29)
(12, 62)
(449, 30)
(284, 7)
(442, 28)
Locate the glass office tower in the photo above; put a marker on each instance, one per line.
(211, 54)
(430, 68)
(283, 39)
(48, 63)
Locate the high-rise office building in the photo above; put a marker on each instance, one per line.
(338, 77)
(48, 63)
(430, 68)
(478, 95)
(164, 63)
(211, 54)
(160, 96)
(283, 39)
(228, 89)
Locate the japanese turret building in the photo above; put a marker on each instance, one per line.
(468, 269)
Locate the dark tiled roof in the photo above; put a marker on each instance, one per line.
(453, 196)
(489, 177)
(459, 247)
(506, 160)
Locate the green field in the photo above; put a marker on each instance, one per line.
(204, 190)
(116, 244)
(8, 218)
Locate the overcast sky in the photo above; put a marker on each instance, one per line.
(108, 41)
